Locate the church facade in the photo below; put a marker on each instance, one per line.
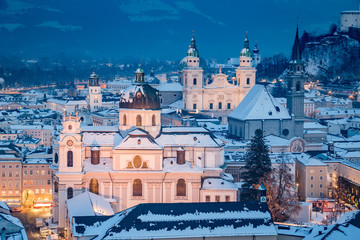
(221, 95)
(260, 110)
(138, 161)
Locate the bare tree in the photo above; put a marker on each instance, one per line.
(282, 200)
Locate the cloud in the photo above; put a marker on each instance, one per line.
(157, 10)
(189, 6)
(57, 25)
(11, 26)
(19, 7)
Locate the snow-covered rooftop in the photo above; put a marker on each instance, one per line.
(191, 220)
(259, 104)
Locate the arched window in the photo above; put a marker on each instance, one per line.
(70, 161)
(298, 68)
(137, 188)
(220, 105)
(138, 120)
(94, 186)
(181, 187)
(56, 158)
(194, 81)
(153, 120)
(124, 119)
(298, 86)
(56, 187)
(70, 193)
(248, 81)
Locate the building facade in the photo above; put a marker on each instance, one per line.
(220, 95)
(137, 161)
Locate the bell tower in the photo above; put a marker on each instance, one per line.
(94, 96)
(71, 158)
(246, 72)
(192, 79)
(295, 87)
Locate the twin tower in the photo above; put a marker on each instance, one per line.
(222, 95)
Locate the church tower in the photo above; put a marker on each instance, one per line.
(192, 79)
(245, 73)
(140, 106)
(71, 157)
(295, 87)
(95, 96)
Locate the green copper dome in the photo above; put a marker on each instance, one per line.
(246, 51)
(193, 52)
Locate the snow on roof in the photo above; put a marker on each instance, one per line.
(88, 204)
(218, 184)
(288, 230)
(189, 220)
(259, 104)
(273, 140)
(25, 127)
(170, 165)
(188, 136)
(37, 161)
(178, 104)
(138, 140)
(21, 235)
(169, 87)
(313, 125)
(308, 160)
(348, 145)
(348, 227)
(99, 129)
(355, 154)
(103, 139)
(4, 206)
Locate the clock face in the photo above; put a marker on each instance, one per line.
(69, 143)
(69, 127)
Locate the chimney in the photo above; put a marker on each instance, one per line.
(331, 147)
(180, 156)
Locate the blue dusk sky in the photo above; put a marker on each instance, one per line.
(159, 28)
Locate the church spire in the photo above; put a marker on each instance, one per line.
(296, 50)
(193, 52)
(139, 74)
(246, 42)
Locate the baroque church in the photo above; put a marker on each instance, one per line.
(139, 161)
(220, 96)
(260, 111)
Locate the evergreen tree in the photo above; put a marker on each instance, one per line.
(257, 160)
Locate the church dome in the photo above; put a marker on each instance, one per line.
(193, 52)
(140, 95)
(246, 52)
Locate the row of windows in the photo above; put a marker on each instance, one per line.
(217, 198)
(37, 172)
(139, 120)
(211, 106)
(312, 194)
(10, 193)
(10, 184)
(10, 174)
(31, 182)
(137, 188)
(10, 166)
(320, 178)
(312, 186)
